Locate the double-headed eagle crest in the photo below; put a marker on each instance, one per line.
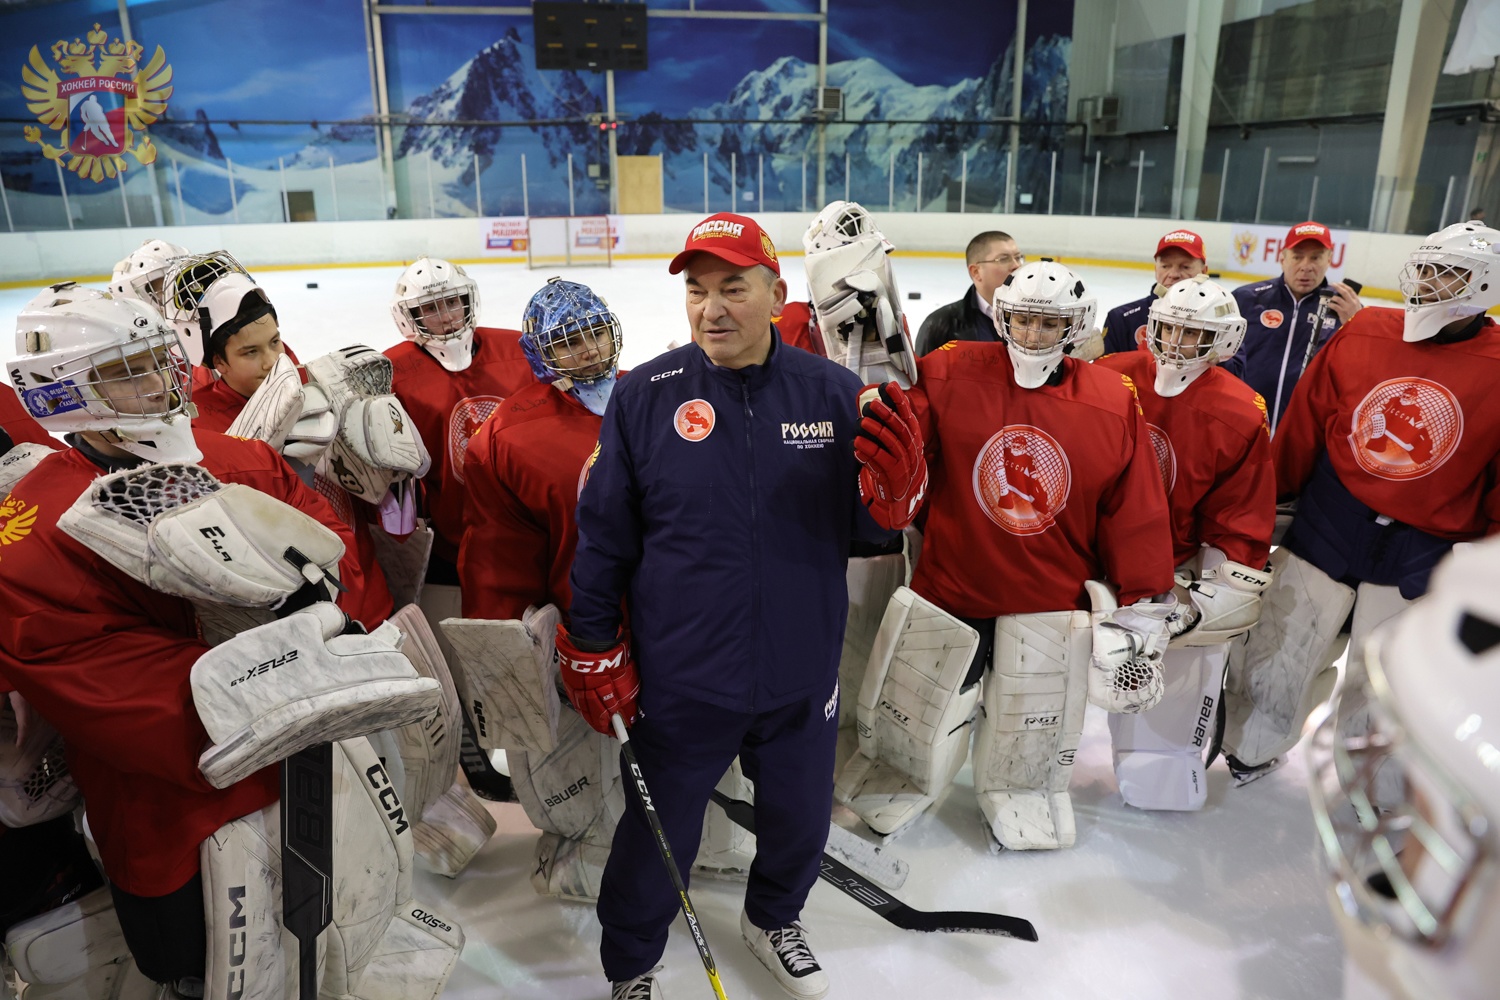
(99, 110)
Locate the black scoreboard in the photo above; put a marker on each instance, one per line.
(589, 35)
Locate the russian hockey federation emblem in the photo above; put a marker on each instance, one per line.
(694, 420)
(468, 415)
(1166, 458)
(1405, 428)
(99, 112)
(1021, 479)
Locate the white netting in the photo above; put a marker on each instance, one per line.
(1166, 460)
(569, 241)
(140, 495)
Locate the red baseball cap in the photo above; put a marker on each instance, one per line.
(1188, 242)
(735, 238)
(1304, 231)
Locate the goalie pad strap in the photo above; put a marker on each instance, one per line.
(1284, 669)
(257, 712)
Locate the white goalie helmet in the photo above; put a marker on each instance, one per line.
(59, 294)
(142, 275)
(1408, 808)
(1450, 277)
(436, 306)
(1195, 325)
(113, 366)
(186, 286)
(1042, 312)
(854, 296)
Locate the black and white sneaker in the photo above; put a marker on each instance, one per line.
(640, 988)
(785, 952)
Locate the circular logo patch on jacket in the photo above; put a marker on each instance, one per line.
(1021, 479)
(1166, 458)
(1271, 319)
(1405, 428)
(694, 420)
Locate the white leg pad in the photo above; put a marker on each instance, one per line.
(414, 960)
(117, 981)
(871, 581)
(727, 848)
(569, 867)
(1373, 606)
(1286, 667)
(575, 790)
(506, 674)
(452, 831)
(1027, 735)
(914, 723)
(1159, 752)
(439, 601)
(250, 955)
(64, 944)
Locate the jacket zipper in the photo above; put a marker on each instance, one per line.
(1286, 356)
(754, 541)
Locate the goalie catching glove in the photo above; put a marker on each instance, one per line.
(1125, 671)
(599, 683)
(1219, 602)
(893, 476)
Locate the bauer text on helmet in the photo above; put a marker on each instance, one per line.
(1041, 311)
(1194, 325)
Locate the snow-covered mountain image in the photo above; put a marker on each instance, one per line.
(435, 165)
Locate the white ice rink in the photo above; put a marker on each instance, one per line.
(1225, 904)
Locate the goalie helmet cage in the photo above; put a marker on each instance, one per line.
(569, 241)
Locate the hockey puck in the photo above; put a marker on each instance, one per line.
(914, 295)
(312, 284)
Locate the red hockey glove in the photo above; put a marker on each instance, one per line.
(599, 684)
(889, 444)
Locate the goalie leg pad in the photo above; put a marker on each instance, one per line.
(570, 868)
(1028, 731)
(575, 790)
(250, 955)
(338, 687)
(914, 721)
(428, 747)
(414, 960)
(727, 848)
(871, 581)
(452, 831)
(65, 944)
(508, 681)
(1286, 667)
(1159, 753)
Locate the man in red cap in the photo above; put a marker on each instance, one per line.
(1179, 255)
(719, 507)
(1281, 313)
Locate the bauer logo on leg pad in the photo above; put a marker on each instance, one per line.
(1205, 720)
(567, 793)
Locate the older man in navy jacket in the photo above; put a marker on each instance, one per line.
(1281, 312)
(719, 509)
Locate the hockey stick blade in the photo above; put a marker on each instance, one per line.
(843, 878)
(307, 855)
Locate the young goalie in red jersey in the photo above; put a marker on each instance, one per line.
(1043, 478)
(1214, 450)
(1391, 449)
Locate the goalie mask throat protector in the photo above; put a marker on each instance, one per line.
(1450, 277)
(1196, 324)
(110, 366)
(572, 340)
(436, 306)
(1042, 312)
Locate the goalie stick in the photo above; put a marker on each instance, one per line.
(307, 856)
(841, 877)
(665, 848)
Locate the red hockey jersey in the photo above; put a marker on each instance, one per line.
(795, 324)
(449, 408)
(367, 598)
(107, 661)
(1034, 491)
(1213, 448)
(1412, 430)
(524, 471)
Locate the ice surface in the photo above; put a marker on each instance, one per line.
(1227, 903)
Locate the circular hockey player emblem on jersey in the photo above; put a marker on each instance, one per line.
(1166, 458)
(1405, 428)
(1021, 479)
(468, 415)
(694, 420)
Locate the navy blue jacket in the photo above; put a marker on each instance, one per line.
(1273, 353)
(730, 545)
(1121, 323)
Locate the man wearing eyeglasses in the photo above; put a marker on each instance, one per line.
(992, 256)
